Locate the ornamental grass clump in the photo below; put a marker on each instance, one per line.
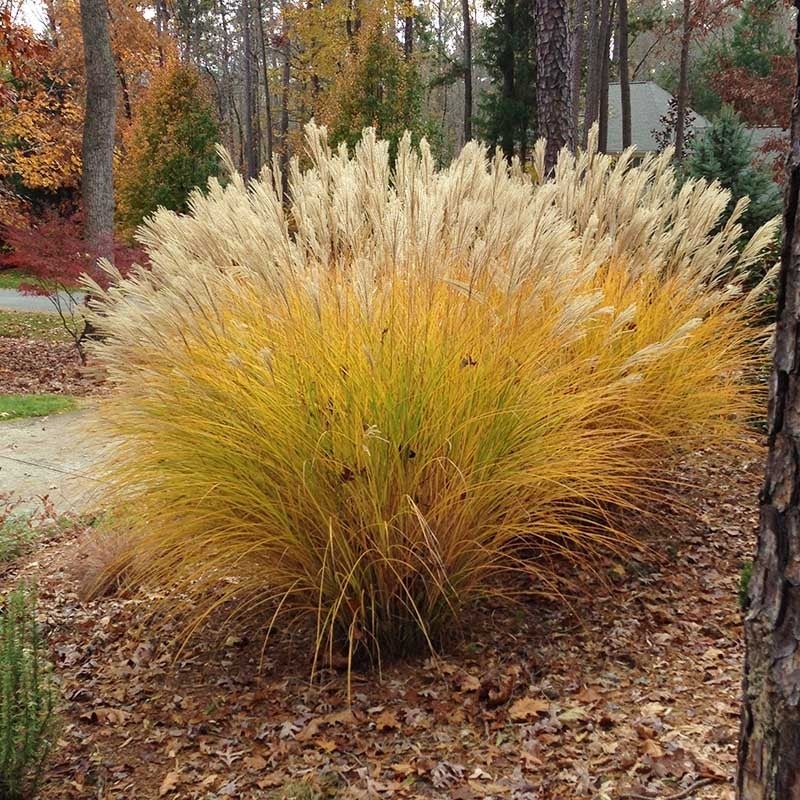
(398, 391)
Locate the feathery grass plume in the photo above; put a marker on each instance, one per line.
(411, 389)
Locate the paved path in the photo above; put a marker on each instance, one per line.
(12, 300)
(49, 456)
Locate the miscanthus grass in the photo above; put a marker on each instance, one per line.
(397, 391)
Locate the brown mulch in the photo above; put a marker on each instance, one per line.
(631, 691)
(33, 366)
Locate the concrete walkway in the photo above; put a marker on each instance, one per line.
(49, 456)
(12, 300)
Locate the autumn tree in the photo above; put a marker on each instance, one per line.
(378, 87)
(769, 745)
(754, 73)
(170, 148)
(40, 124)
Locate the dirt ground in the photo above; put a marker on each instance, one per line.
(629, 691)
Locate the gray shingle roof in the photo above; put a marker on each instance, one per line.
(649, 102)
(760, 135)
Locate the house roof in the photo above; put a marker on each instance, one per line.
(760, 135)
(649, 102)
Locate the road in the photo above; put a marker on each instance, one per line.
(50, 456)
(12, 300)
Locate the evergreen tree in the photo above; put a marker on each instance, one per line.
(507, 110)
(723, 152)
(379, 87)
(170, 147)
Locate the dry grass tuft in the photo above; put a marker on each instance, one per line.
(399, 392)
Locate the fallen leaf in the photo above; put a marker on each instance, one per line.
(528, 708)
(169, 784)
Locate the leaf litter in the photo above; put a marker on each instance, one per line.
(631, 691)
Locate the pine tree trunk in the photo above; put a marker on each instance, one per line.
(769, 744)
(98, 127)
(576, 65)
(683, 83)
(553, 79)
(624, 75)
(467, 20)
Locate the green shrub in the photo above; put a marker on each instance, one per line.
(27, 698)
(744, 584)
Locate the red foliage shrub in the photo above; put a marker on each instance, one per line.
(54, 253)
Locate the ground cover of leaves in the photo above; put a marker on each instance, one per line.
(631, 691)
(30, 364)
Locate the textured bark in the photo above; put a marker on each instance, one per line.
(769, 744)
(624, 74)
(576, 65)
(98, 127)
(553, 80)
(683, 82)
(467, 20)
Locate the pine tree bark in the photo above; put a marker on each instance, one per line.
(624, 74)
(683, 82)
(467, 21)
(553, 78)
(98, 128)
(576, 65)
(769, 744)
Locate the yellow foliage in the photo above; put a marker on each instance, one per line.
(415, 389)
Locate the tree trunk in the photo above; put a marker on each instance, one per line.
(408, 30)
(286, 76)
(683, 83)
(769, 744)
(577, 61)
(553, 86)
(251, 152)
(267, 98)
(624, 75)
(162, 18)
(98, 127)
(607, 25)
(593, 68)
(465, 13)
(506, 64)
